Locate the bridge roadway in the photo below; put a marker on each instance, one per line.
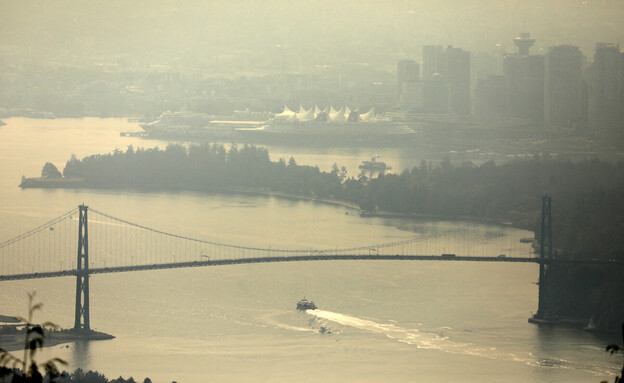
(296, 258)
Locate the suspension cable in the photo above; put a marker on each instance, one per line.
(39, 228)
(465, 228)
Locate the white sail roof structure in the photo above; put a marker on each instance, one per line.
(327, 114)
(305, 115)
(321, 114)
(286, 113)
(368, 116)
(337, 115)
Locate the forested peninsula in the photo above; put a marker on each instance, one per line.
(588, 207)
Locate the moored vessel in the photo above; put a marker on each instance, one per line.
(196, 125)
(374, 166)
(328, 127)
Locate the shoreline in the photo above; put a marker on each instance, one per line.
(15, 342)
(582, 324)
(79, 183)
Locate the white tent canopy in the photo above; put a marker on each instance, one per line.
(333, 114)
(305, 115)
(368, 116)
(286, 113)
(337, 115)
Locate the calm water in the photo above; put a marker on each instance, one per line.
(389, 321)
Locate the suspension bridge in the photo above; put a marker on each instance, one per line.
(107, 244)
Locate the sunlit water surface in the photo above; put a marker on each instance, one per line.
(377, 320)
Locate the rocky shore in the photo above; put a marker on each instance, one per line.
(39, 182)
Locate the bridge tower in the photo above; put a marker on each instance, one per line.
(545, 303)
(82, 273)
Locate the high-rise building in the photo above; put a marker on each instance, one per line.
(533, 86)
(490, 98)
(524, 42)
(407, 70)
(436, 95)
(498, 53)
(515, 69)
(605, 89)
(524, 87)
(456, 68)
(451, 69)
(409, 88)
(524, 81)
(563, 90)
(430, 57)
(412, 96)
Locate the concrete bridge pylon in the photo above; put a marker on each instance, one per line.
(81, 321)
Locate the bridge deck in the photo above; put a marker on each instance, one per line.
(297, 258)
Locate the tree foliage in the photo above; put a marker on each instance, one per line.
(34, 339)
(588, 211)
(50, 171)
(200, 167)
(615, 349)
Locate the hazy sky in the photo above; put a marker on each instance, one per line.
(170, 29)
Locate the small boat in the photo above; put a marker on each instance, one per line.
(306, 304)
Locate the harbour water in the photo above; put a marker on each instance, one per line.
(386, 321)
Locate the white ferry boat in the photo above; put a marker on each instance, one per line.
(306, 304)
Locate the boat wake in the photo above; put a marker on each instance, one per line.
(433, 341)
(293, 328)
(271, 320)
(415, 337)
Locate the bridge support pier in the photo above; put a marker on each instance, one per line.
(82, 273)
(545, 303)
